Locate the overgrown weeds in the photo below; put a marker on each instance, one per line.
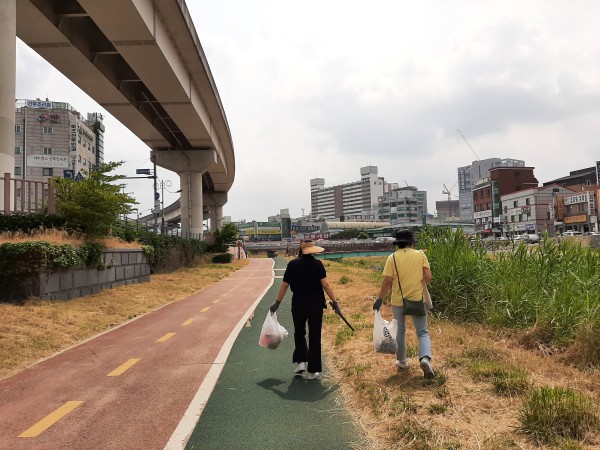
(552, 414)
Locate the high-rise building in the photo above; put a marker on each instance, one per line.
(469, 175)
(52, 139)
(351, 201)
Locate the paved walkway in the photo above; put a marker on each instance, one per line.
(259, 404)
(130, 388)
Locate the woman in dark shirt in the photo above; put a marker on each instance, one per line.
(307, 278)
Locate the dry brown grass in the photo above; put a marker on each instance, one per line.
(58, 237)
(38, 329)
(400, 410)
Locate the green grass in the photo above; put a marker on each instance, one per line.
(553, 414)
(344, 334)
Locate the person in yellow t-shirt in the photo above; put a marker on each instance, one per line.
(412, 269)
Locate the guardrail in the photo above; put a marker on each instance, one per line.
(26, 196)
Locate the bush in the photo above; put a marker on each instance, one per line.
(29, 222)
(222, 258)
(551, 414)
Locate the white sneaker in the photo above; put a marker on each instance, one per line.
(300, 368)
(402, 365)
(427, 368)
(313, 376)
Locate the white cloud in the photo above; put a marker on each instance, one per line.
(319, 89)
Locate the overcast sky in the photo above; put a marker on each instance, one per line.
(322, 88)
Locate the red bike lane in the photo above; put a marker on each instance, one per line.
(129, 388)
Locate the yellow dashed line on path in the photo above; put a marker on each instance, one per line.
(206, 308)
(50, 419)
(187, 322)
(166, 337)
(217, 300)
(123, 367)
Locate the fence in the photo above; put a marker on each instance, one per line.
(25, 196)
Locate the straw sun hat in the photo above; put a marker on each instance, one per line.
(309, 247)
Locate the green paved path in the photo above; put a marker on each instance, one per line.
(259, 404)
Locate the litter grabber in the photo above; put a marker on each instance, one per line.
(339, 313)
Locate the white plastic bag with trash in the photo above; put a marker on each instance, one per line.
(384, 334)
(272, 332)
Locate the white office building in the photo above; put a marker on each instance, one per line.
(355, 201)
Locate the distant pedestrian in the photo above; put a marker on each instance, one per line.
(307, 278)
(404, 272)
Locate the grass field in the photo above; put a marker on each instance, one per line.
(493, 390)
(481, 395)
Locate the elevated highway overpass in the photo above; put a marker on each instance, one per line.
(142, 61)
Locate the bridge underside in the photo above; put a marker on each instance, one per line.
(142, 61)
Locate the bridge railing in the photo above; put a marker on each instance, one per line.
(26, 196)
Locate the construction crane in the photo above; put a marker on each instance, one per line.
(447, 191)
(467, 142)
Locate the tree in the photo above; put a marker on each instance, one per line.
(228, 233)
(94, 204)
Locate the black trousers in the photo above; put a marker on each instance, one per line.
(311, 353)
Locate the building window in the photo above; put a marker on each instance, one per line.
(78, 158)
(18, 150)
(47, 150)
(18, 129)
(527, 201)
(48, 130)
(515, 203)
(19, 192)
(588, 182)
(47, 171)
(17, 171)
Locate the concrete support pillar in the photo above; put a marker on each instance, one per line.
(197, 213)
(189, 165)
(215, 202)
(8, 57)
(191, 203)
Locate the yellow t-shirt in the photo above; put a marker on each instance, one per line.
(410, 263)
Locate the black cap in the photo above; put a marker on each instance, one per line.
(405, 236)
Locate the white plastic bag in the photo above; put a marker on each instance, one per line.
(272, 332)
(384, 334)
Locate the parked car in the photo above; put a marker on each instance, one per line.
(531, 238)
(572, 233)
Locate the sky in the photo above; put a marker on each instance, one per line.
(322, 88)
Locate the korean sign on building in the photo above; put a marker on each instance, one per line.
(47, 161)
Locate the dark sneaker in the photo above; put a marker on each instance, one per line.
(427, 368)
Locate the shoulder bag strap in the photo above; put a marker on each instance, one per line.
(398, 276)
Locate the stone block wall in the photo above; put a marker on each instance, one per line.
(123, 266)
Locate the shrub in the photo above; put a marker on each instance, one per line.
(222, 258)
(551, 414)
(345, 279)
(28, 222)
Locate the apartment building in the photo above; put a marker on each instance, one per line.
(52, 139)
(351, 201)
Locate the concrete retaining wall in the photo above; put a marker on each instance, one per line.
(124, 266)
